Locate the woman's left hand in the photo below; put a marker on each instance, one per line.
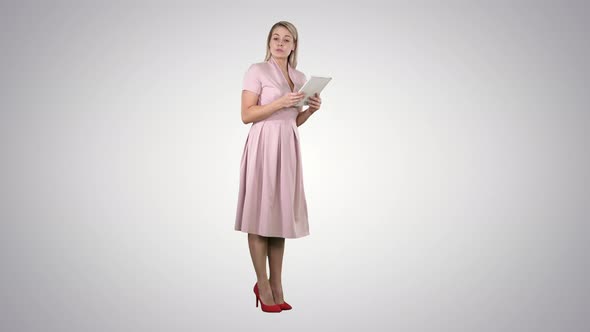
(314, 103)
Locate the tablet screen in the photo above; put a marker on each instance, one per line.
(314, 85)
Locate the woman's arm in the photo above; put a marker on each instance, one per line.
(252, 112)
(314, 105)
(303, 116)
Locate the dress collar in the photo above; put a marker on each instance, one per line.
(289, 68)
(280, 72)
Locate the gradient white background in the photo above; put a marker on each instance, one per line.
(446, 174)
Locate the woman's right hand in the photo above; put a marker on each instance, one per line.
(290, 99)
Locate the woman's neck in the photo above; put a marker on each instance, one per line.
(282, 63)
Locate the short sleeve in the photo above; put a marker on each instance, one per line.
(252, 80)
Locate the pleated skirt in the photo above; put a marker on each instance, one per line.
(271, 199)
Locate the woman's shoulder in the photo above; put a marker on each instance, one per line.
(258, 67)
(299, 73)
(261, 64)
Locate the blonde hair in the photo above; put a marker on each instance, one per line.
(293, 55)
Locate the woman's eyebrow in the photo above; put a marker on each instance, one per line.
(280, 35)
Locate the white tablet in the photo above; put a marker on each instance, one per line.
(314, 85)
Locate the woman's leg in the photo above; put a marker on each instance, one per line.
(276, 248)
(258, 251)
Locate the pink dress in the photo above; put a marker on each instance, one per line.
(271, 199)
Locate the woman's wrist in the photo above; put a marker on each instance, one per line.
(276, 105)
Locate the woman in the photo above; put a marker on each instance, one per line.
(271, 201)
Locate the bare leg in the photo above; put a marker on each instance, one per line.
(258, 250)
(276, 249)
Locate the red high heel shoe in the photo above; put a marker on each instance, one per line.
(266, 308)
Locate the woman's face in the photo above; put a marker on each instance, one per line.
(281, 43)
